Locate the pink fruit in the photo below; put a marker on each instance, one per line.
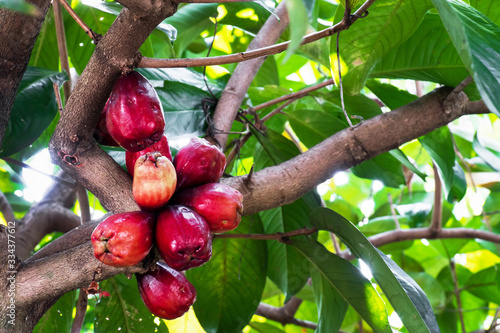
(134, 115)
(166, 292)
(101, 133)
(124, 239)
(160, 146)
(154, 181)
(198, 163)
(220, 205)
(183, 238)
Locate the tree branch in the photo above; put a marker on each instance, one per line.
(6, 208)
(279, 315)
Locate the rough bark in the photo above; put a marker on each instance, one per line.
(17, 35)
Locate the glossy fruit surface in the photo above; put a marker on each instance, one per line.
(134, 115)
(166, 292)
(154, 181)
(124, 239)
(199, 163)
(161, 146)
(219, 204)
(183, 238)
(101, 133)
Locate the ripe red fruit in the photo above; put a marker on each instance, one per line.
(101, 133)
(134, 115)
(183, 238)
(198, 163)
(166, 292)
(154, 181)
(124, 239)
(160, 146)
(220, 205)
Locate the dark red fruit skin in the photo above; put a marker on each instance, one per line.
(124, 239)
(166, 292)
(101, 133)
(198, 163)
(161, 146)
(154, 181)
(134, 115)
(183, 238)
(219, 204)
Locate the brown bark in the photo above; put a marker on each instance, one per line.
(17, 35)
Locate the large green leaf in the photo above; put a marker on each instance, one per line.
(124, 310)
(20, 6)
(313, 126)
(389, 23)
(34, 109)
(383, 167)
(485, 284)
(348, 281)
(390, 95)
(428, 55)
(406, 297)
(490, 158)
(45, 52)
(59, 318)
(439, 145)
(331, 306)
(230, 285)
(477, 40)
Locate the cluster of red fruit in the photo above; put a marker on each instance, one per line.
(181, 202)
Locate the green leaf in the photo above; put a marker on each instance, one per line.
(20, 6)
(485, 284)
(439, 145)
(45, 52)
(348, 281)
(389, 24)
(428, 55)
(298, 25)
(406, 297)
(383, 167)
(229, 286)
(390, 95)
(331, 306)
(59, 318)
(477, 40)
(491, 159)
(34, 109)
(264, 328)
(401, 157)
(124, 310)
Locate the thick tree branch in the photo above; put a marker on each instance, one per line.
(284, 183)
(15, 53)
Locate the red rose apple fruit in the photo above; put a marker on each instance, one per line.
(220, 205)
(124, 239)
(198, 163)
(154, 181)
(134, 115)
(166, 292)
(160, 146)
(101, 133)
(183, 238)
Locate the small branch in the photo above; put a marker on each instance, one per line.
(95, 37)
(437, 213)
(278, 314)
(26, 166)
(83, 200)
(393, 211)
(291, 307)
(457, 294)
(61, 45)
(300, 93)
(281, 236)
(6, 208)
(81, 310)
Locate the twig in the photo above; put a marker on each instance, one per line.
(291, 307)
(437, 213)
(336, 244)
(81, 310)
(494, 323)
(94, 36)
(393, 211)
(58, 98)
(457, 294)
(83, 200)
(243, 56)
(6, 208)
(281, 236)
(277, 314)
(26, 166)
(61, 46)
(294, 95)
